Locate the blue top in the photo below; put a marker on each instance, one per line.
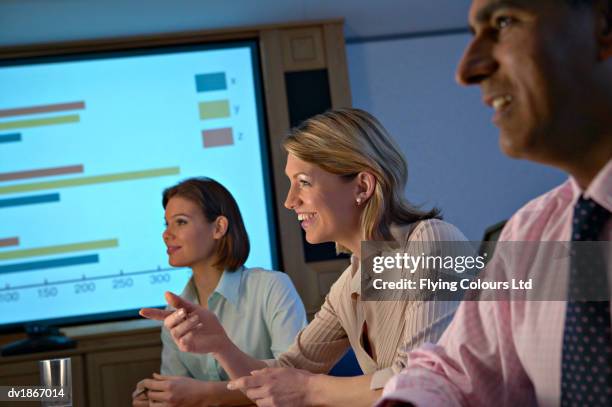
(261, 312)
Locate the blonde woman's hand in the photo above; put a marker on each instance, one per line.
(192, 327)
(276, 387)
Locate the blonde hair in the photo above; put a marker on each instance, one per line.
(347, 141)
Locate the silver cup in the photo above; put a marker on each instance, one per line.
(57, 373)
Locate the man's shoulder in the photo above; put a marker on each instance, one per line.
(538, 212)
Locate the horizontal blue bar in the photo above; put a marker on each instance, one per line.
(29, 200)
(207, 82)
(7, 138)
(48, 264)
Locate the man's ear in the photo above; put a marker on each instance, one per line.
(604, 28)
(221, 224)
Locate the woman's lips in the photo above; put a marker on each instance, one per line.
(172, 249)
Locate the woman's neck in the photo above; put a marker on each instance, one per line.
(353, 243)
(206, 278)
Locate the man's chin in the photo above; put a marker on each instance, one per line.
(510, 146)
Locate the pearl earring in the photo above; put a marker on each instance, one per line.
(358, 201)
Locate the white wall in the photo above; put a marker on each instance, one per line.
(35, 21)
(444, 130)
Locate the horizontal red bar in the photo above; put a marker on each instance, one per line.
(43, 172)
(59, 107)
(9, 241)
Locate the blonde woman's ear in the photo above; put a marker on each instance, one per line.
(366, 183)
(221, 224)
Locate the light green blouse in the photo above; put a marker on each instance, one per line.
(261, 312)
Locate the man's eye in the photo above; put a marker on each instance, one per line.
(502, 22)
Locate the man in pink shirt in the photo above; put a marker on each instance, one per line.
(545, 67)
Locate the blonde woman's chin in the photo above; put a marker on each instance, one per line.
(317, 238)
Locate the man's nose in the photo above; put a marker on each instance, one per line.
(477, 63)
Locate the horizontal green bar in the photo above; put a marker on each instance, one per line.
(64, 248)
(47, 121)
(95, 179)
(214, 110)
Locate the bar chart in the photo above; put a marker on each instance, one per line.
(84, 163)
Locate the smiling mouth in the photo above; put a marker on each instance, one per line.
(501, 102)
(306, 218)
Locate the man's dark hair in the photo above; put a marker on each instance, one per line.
(578, 3)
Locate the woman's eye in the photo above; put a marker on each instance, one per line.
(181, 222)
(303, 183)
(502, 22)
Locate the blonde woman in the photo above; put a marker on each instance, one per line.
(347, 185)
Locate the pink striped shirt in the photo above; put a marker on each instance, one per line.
(504, 353)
